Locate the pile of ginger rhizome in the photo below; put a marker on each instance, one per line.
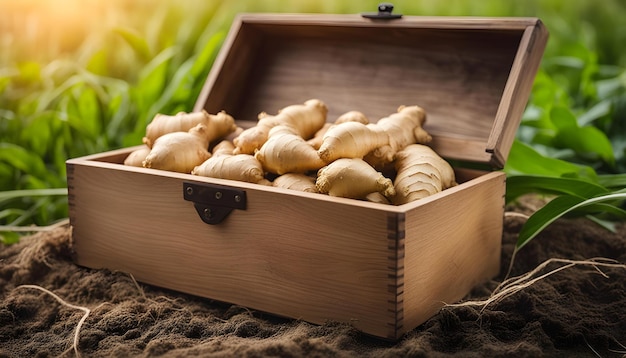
(297, 149)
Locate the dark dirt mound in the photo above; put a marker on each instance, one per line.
(575, 312)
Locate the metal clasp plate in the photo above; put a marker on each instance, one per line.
(214, 202)
(384, 13)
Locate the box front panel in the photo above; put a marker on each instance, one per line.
(286, 254)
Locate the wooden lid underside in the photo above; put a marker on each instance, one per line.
(472, 76)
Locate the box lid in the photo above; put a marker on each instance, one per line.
(473, 76)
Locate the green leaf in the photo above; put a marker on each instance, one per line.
(119, 114)
(30, 71)
(523, 159)
(22, 159)
(12, 194)
(178, 83)
(562, 117)
(9, 237)
(555, 209)
(603, 209)
(206, 56)
(88, 108)
(98, 62)
(10, 212)
(153, 80)
(519, 185)
(599, 110)
(37, 134)
(612, 180)
(136, 42)
(606, 224)
(586, 140)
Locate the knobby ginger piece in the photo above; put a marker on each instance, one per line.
(420, 172)
(242, 167)
(351, 140)
(296, 181)
(136, 157)
(223, 147)
(217, 125)
(352, 178)
(305, 118)
(403, 128)
(179, 151)
(287, 152)
(351, 116)
(377, 198)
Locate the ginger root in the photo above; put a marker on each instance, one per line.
(375, 143)
(179, 151)
(217, 126)
(420, 172)
(242, 167)
(296, 181)
(305, 118)
(352, 178)
(351, 140)
(136, 157)
(403, 128)
(287, 152)
(351, 116)
(223, 147)
(223, 164)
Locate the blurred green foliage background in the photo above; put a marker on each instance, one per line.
(84, 76)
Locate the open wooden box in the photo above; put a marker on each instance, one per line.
(384, 269)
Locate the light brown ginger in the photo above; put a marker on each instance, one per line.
(136, 157)
(179, 151)
(351, 116)
(403, 128)
(296, 181)
(217, 125)
(420, 172)
(351, 140)
(225, 165)
(305, 118)
(352, 178)
(287, 152)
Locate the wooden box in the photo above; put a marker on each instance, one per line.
(384, 269)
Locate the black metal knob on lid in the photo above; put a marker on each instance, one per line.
(385, 10)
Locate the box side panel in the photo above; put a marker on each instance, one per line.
(289, 255)
(452, 244)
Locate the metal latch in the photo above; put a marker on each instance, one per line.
(384, 12)
(214, 202)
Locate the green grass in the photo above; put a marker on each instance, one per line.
(88, 76)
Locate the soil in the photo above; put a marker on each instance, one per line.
(577, 312)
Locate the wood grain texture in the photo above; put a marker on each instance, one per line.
(472, 75)
(516, 93)
(452, 244)
(288, 254)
